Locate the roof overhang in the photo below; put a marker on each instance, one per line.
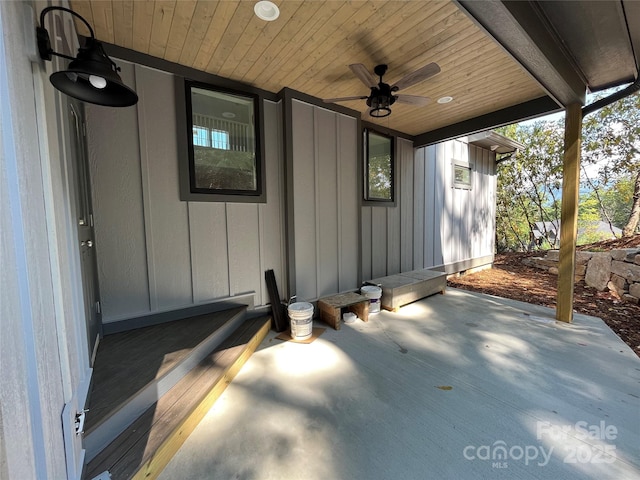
(495, 142)
(501, 61)
(568, 46)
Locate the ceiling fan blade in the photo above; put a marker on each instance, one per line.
(413, 99)
(343, 99)
(418, 76)
(364, 75)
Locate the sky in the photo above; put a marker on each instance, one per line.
(590, 98)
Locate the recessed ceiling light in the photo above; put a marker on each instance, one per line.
(228, 115)
(446, 99)
(266, 10)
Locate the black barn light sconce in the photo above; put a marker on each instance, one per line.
(91, 76)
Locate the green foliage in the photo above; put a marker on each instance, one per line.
(615, 203)
(611, 147)
(380, 177)
(529, 184)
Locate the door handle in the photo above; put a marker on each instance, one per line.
(88, 244)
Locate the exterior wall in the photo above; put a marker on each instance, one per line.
(457, 224)
(384, 247)
(432, 224)
(324, 202)
(43, 352)
(155, 252)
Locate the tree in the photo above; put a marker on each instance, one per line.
(611, 140)
(529, 183)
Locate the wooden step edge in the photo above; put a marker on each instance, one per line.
(153, 466)
(142, 398)
(124, 456)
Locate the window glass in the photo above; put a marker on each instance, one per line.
(223, 151)
(379, 167)
(461, 176)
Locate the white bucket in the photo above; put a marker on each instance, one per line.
(373, 293)
(301, 319)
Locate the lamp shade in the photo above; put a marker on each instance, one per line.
(92, 77)
(380, 112)
(380, 106)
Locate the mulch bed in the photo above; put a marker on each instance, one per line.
(510, 278)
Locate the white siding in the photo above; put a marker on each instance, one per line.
(324, 201)
(155, 252)
(458, 224)
(432, 224)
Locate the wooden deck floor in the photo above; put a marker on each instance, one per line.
(144, 448)
(126, 362)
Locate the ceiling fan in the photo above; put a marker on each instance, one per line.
(383, 95)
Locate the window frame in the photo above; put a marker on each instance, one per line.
(188, 190)
(372, 201)
(461, 164)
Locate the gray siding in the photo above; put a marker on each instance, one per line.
(43, 351)
(155, 252)
(384, 244)
(432, 224)
(324, 201)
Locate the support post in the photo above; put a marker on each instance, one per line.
(569, 212)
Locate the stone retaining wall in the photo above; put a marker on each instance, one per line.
(617, 270)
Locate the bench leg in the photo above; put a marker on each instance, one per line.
(329, 315)
(361, 310)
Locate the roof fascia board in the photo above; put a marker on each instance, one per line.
(506, 116)
(292, 94)
(143, 59)
(387, 131)
(518, 27)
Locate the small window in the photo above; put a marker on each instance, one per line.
(379, 167)
(223, 149)
(461, 175)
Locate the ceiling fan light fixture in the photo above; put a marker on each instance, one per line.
(267, 11)
(380, 105)
(380, 112)
(382, 95)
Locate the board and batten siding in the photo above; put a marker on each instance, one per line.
(324, 177)
(157, 253)
(433, 224)
(452, 225)
(384, 249)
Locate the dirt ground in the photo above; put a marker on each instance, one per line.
(509, 278)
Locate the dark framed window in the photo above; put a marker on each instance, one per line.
(379, 167)
(225, 154)
(461, 175)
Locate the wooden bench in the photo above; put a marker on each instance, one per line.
(407, 287)
(331, 308)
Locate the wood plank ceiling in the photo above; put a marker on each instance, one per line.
(309, 47)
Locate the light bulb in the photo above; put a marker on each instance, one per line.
(97, 82)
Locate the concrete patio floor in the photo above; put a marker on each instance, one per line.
(456, 386)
